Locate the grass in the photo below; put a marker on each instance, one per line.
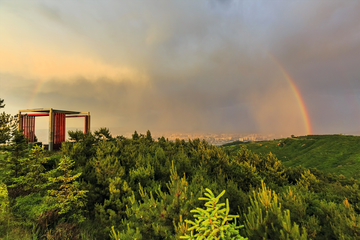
(339, 154)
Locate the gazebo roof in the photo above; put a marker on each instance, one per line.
(47, 110)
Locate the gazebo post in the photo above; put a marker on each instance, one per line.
(51, 130)
(20, 119)
(88, 122)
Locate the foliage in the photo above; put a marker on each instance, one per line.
(267, 220)
(337, 154)
(4, 204)
(9, 227)
(76, 136)
(33, 176)
(213, 223)
(7, 124)
(13, 163)
(68, 199)
(146, 188)
(103, 134)
(159, 217)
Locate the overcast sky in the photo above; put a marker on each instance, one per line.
(185, 65)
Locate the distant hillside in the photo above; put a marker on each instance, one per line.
(339, 154)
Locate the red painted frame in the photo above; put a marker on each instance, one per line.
(28, 124)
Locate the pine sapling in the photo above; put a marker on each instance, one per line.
(68, 198)
(213, 222)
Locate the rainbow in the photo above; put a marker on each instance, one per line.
(297, 93)
(34, 93)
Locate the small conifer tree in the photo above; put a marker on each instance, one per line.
(4, 209)
(135, 136)
(12, 163)
(4, 201)
(7, 124)
(33, 175)
(267, 219)
(149, 137)
(213, 223)
(69, 199)
(159, 215)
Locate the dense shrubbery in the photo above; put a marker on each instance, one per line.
(104, 187)
(145, 189)
(336, 154)
(213, 222)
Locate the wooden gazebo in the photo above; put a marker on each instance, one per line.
(57, 122)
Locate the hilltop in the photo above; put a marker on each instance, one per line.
(101, 187)
(339, 154)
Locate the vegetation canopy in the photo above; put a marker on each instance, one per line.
(98, 186)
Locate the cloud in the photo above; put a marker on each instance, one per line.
(48, 65)
(186, 65)
(133, 106)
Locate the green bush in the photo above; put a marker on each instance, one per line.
(213, 222)
(267, 220)
(138, 185)
(4, 207)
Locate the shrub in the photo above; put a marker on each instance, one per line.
(213, 223)
(267, 219)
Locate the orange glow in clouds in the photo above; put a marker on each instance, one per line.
(49, 65)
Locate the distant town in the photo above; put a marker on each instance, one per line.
(213, 138)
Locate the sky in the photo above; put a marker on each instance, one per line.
(212, 66)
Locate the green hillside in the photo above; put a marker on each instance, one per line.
(339, 154)
(110, 188)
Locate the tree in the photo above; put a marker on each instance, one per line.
(159, 215)
(33, 175)
(7, 124)
(148, 136)
(135, 136)
(213, 223)
(2, 105)
(6, 218)
(267, 219)
(102, 133)
(12, 163)
(76, 136)
(68, 199)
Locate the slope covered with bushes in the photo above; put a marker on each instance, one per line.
(146, 188)
(339, 154)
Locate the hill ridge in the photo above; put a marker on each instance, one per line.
(335, 153)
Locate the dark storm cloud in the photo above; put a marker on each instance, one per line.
(160, 108)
